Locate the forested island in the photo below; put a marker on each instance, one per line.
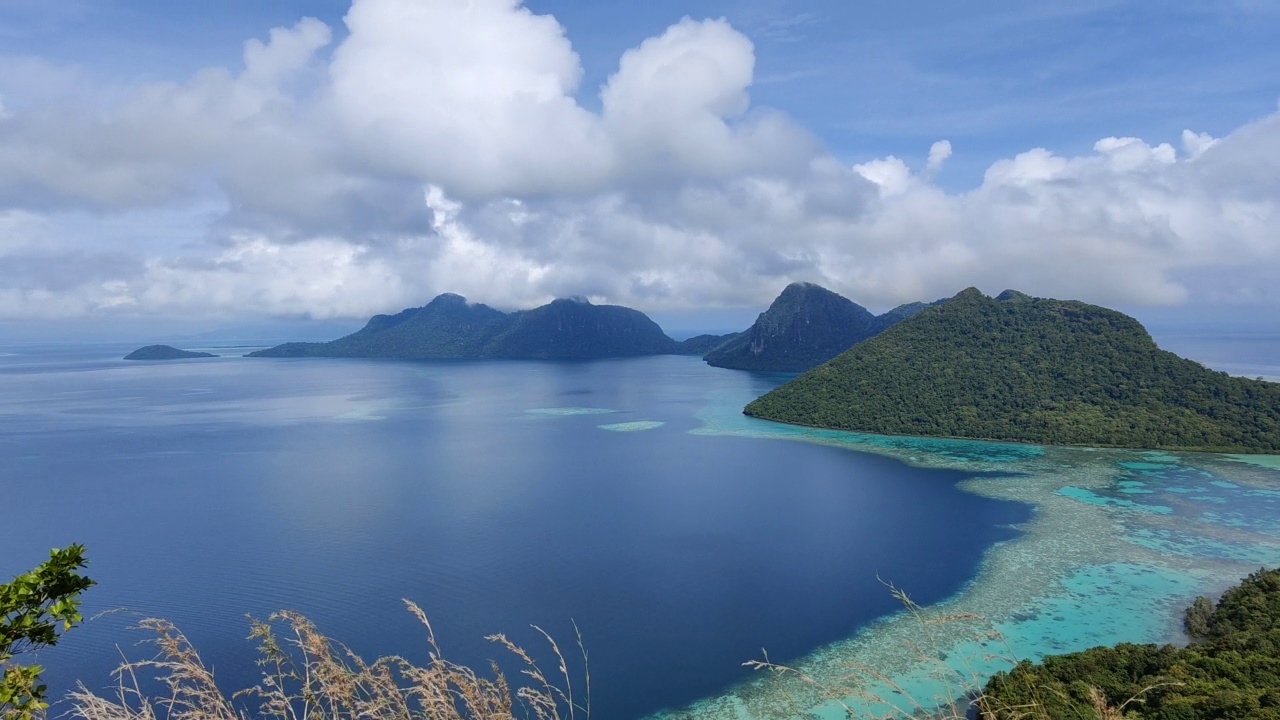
(449, 327)
(1231, 669)
(1025, 369)
(165, 352)
(805, 326)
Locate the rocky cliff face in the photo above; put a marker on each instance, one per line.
(804, 327)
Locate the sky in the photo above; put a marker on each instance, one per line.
(193, 165)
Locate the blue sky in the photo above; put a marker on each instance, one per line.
(837, 91)
(872, 79)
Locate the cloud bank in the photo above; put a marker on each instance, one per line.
(444, 146)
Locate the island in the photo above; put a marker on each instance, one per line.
(805, 326)
(1023, 369)
(449, 327)
(165, 352)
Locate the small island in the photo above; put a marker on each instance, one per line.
(165, 352)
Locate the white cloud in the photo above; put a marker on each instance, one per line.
(441, 147)
(477, 96)
(1194, 143)
(679, 102)
(938, 154)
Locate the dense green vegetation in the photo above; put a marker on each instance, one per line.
(1230, 670)
(702, 344)
(450, 327)
(805, 326)
(164, 352)
(35, 608)
(1030, 370)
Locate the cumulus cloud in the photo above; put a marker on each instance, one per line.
(442, 146)
(938, 154)
(477, 96)
(679, 102)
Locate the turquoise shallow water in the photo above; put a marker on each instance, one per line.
(1119, 545)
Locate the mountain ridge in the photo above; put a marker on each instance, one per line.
(450, 327)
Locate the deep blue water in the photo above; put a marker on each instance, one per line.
(205, 490)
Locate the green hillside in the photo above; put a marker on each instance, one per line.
(576, 329)
(703, 344)
(447, 327)
(1230, 670)
(1030, 370)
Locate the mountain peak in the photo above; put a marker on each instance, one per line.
(448, 299)
(805, 326)
(970, 294)
(802, 287)
(1013, 296)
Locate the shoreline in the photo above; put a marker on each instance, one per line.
(1097, 564)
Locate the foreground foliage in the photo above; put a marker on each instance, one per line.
(1230, 670)
(1030, 370)
(307, 676)
(35, 608)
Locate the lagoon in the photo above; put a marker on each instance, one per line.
(496, 495)
(628, 496)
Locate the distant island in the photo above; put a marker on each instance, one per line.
(1024, 369)
(449, 327)
(164, 352)
(805, 326)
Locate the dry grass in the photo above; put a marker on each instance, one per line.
(307, 676)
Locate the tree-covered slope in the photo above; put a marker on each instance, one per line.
(451, 328)
(895, 316)
(1230, 670)
(576, 329)
(805, 326)
(1029, 370)
(703, 344)
(447, 327)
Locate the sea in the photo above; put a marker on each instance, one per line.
(626, 501)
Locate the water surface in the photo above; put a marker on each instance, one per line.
(494, 494)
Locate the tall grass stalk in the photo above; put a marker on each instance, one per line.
(307, 676)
